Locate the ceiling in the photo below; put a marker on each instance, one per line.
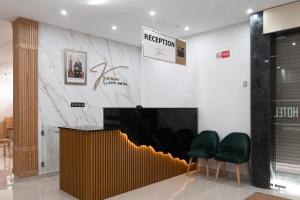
(130, 15)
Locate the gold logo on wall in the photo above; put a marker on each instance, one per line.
(108, 80)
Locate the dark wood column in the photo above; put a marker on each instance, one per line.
(25, 48)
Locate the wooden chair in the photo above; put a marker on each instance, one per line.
(5, 143)
(8, 127)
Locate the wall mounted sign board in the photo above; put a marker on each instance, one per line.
(163, 47)
(223, 54)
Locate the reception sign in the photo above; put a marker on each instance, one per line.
(162, 47)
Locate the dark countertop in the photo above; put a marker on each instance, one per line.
(169, 130)
(161, 108)
(84, 128)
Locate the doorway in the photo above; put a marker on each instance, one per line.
(6, 104)
(287, 113)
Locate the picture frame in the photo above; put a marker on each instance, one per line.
(75, 67)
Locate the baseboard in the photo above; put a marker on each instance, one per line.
(24, 174)
(37, 176)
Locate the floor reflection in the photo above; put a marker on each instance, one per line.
(197, 187)
(6, 176)
(287, 182)
(193, 187)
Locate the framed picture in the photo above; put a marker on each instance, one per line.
(75, 67)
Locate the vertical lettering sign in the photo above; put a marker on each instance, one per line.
(162, 47)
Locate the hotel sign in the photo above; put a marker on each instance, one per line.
(287, 112)
(162, 47)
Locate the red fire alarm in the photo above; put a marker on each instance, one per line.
(223, 54)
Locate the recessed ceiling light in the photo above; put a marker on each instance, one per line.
(249, 11)
(255, 16)
(187, 28)
(114, 27)
(278, 67)
(96, 2)
(152, 13)
(64, 12)
(294, 43)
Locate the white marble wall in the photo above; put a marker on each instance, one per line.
(55, 97)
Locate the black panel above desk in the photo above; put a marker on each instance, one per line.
(169, 130)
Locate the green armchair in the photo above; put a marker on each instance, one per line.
(234, 148)
(203, 146)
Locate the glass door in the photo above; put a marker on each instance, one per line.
(49, 158)
(287, 119)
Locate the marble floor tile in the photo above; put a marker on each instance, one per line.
(6, 176)
(37, 188)
(197, 187)
(194, 187)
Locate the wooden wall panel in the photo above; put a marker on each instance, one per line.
(99, 164)
(25, 48)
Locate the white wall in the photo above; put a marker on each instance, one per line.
(223, 102)
(165, 84)
(6, 72)
(213, 86)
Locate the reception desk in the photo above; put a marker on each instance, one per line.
(97, 163)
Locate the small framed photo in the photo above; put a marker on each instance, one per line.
(75, 67)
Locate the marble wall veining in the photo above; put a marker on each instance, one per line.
(55, 97)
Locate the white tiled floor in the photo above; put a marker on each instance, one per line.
(36, 188)
(194, 187)
(6, 176)
(41, 188)
(177, 188)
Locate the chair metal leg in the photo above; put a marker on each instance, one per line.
(207, 169)
(218, 169)
(189, 165)
(238, 174)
